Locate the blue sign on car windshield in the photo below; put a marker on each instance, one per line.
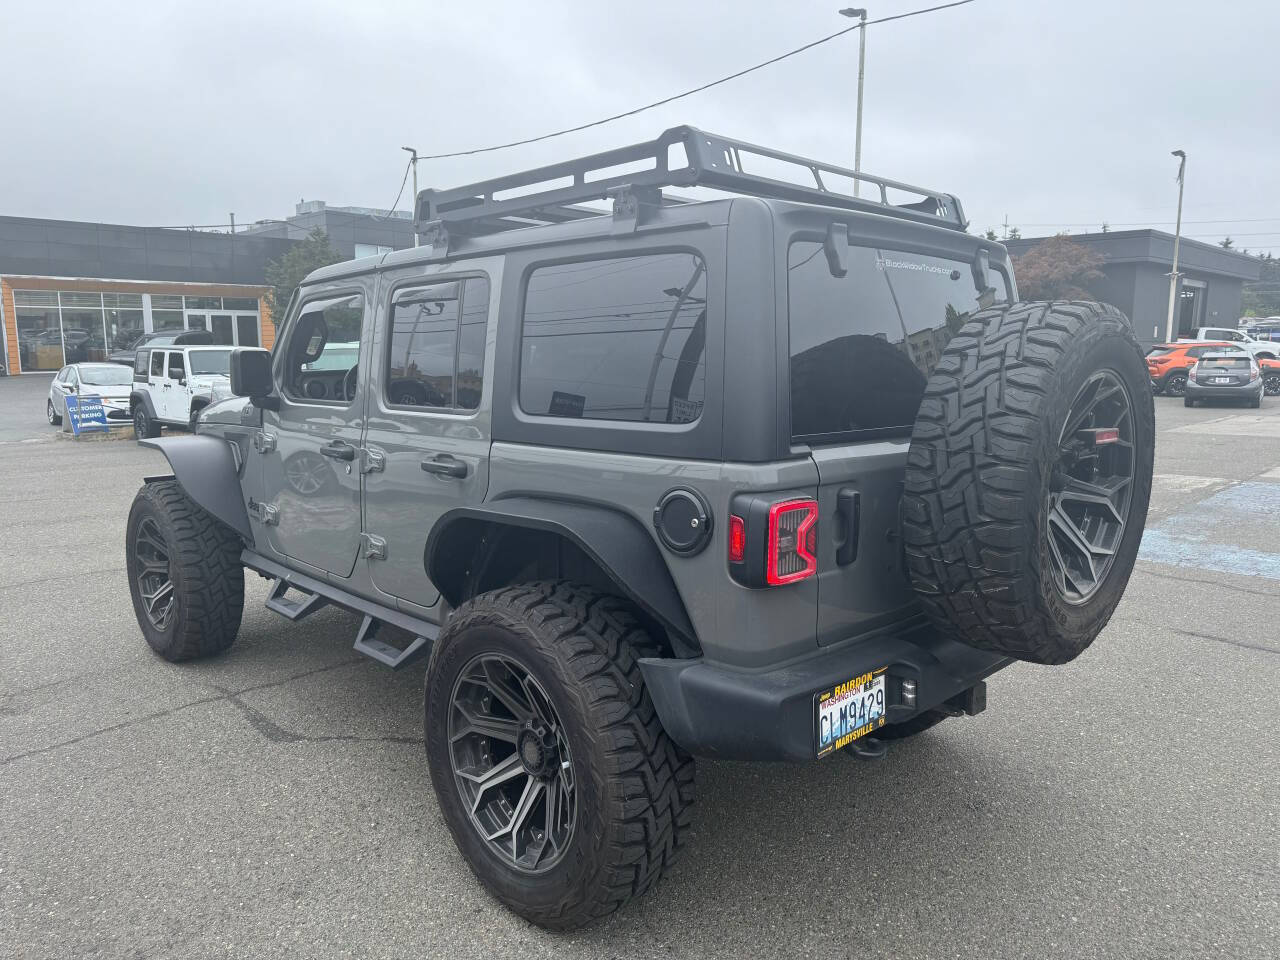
(86, 413)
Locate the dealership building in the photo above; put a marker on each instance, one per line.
(1135, 277)
(73, 292)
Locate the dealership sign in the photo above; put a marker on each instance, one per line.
(86, 413)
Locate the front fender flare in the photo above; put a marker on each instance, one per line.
(206, 468)
(615, 541)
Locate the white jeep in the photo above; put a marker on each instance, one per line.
(172, 384)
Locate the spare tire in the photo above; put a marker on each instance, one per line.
(1028, 478)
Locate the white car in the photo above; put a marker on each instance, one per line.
(110, 381)
(172, 384)
(1260, 349)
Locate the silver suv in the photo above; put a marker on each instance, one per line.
(761, 476)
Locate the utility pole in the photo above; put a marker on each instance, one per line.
(861, 14)
(1177, 237)
(233, 223)
(413, 160)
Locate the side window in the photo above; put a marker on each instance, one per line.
(1194, 352)
(177, 369)
(437, 345)
(140, 361)
(72, 378)
(323, 350)
(617, 339)
(157, 363)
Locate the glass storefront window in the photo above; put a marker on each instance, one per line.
(204, 303)
(124, 327)
(165, 319)
(83, 339)
(39, 338)
(166, 301)
(247, 331)
(240, 303)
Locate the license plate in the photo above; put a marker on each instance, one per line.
(848, 711)
(1221, 379)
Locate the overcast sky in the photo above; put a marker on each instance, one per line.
(1058, 115)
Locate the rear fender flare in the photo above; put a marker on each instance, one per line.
(615, 541)
(207, 471)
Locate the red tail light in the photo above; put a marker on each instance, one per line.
(737, 539)
(793, 539)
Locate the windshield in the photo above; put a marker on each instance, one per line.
(106, 376)
(863, 345)
(207, 362)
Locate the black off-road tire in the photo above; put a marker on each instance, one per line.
(635, 786)
(982, 458)
(144, 428)
(204, 569)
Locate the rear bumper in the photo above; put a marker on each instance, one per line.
(731, 713)
(1245, 391)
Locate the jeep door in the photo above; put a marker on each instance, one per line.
(428, 434)
(310, 446)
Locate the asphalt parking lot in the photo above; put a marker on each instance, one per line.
(275, 802)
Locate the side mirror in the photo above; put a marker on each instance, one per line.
(251, 373)
(71, 388)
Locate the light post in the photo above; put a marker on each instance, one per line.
(1177, 237)
(413, 159)
(861, 14)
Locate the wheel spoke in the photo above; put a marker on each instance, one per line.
(1063, 523)
(512, 700)
(498, 728)
(1102, 494)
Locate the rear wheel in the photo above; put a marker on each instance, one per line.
(1188, 402)
(1271, 384)
(1028, 478)
(185, 576)
(144, 428)
(1176, 384)
(554, 775)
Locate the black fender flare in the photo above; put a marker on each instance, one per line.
(144, 398)
(207, 470)
(617, 542)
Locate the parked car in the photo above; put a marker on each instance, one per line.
(1168, 363)
(641, 533)
(160, 338)
(171, 385)
(1265, 329)
(1258, 348)
(1224, 375)
(109, 381)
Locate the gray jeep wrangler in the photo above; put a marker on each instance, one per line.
(759, 474)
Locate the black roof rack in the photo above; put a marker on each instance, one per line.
(635, 175)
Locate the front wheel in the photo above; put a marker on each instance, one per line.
(1271, 384)
(560, 787)
(55, 419)
(185, 576)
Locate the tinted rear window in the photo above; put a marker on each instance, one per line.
(1226, 363)
(863, 345)
(616, 339)
(1159, 351)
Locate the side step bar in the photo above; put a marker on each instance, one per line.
(317, 593)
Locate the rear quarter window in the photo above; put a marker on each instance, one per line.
(616, 339)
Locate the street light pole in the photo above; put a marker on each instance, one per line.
(1177, 237)
(413, 159)
(861, 14)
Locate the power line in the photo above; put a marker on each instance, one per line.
(688, 93)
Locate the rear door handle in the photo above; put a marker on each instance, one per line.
(848, 502)
(339, 450)
(445, 465)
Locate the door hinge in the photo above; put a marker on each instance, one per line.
(375, 548)
(264, 442)
(265, 513)
(375, 461)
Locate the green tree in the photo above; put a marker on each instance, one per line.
(991, 234)
(1057, 269)
(1226, 243)
(288, 271)
(1262, 297)
(1013, 234)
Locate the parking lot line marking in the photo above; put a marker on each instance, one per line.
(1273, 474)
(1244, 425)
(1195, 536)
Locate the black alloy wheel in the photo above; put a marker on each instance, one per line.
(511, 763)
(1176, 385)
(1091, 487)
(1271, 384)
(153, 575)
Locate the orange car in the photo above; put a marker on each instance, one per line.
(1168, 363)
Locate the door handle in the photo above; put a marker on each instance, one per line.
(445, 465)
(847, 504)
(339, 450)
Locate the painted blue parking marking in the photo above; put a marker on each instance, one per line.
(1195, 536)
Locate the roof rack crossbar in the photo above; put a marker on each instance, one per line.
(550, 194)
